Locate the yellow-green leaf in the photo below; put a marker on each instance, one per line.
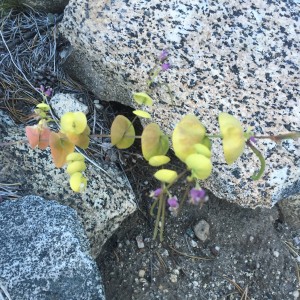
(76, 166)
(73, 122)
(122, 132)
(142, 98)
(142, 113)
(233, 137)
(75, 156)
(43, 106)
(188, 132)
(201, 149)
(154, 142)
(199, 165)
(165, 175)
(158, 160)
(78, 182)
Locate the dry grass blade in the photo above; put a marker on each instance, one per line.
(162, 262)
(9, 191)
(296, 254)
(190, 256)
(243, 293)
(4, 292)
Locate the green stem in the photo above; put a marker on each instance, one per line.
(260, 172)
(161, 234)
(152, 207)
(214, 136)
(161, 200)
(184, 196)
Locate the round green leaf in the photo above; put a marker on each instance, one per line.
(233, 137)
(142, 98)
(165, 175)
(200, 165)
(75, 156)
(76, 166)
(158, 160)
(154, 142)
(122, 132)
(73, 122)
(188, 132)
(142, 114)
(201, 149)
(78, 182)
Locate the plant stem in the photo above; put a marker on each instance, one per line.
(161, 234)
(214, 136)
(184, 196)
(152, 207)
(161, 200)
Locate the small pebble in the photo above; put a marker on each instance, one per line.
(296, 295)
(296, 240)
(201, 230)
(140, 242)
(142, 273)
(215, 250)
(193, 244)
(173, 278)
(251, 239)
(276, 253)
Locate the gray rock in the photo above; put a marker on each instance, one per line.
(201, 230)
(63, 103)
(238, 58)
(51, 6)
(45, 253)
(106, 202)
(290, 210)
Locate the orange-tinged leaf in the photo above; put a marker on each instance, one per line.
(154, 142)
(38, 136)
(60, 148)
(122, 132)
(81, 140)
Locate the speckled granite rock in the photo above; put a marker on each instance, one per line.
(107, 201)
(63, 103)
(239, 57)
(45, 253)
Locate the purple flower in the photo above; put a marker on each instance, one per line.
(48, 92)
(173, 202)
(156, 193)
(173, 205)
(197, 196)
(163, 55)
(252, 139)
(165, 66)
